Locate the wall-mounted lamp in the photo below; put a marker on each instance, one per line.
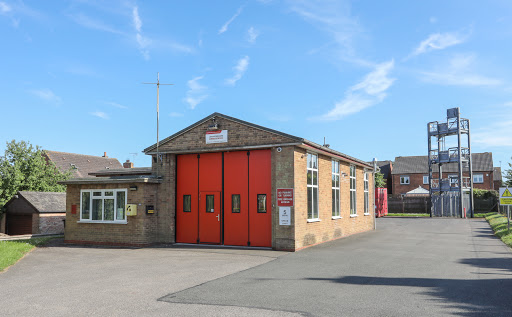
(133, 187)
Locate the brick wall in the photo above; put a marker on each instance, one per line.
(417, 180)
(141, 229)
(283, 237)
(51, 223)
(311, 233)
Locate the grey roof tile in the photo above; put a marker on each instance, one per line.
(482, 162)
(82, 164)
(45, 201)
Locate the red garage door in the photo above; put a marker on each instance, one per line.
(224, 198)
(19, 224)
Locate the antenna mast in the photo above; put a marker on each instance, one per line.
(157, 117)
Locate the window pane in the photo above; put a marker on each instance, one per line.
(97, 209)
(187, 203)
(235, 203)
(337, 181)
(333, 181)
(309, 161)
(262, 203)
(86, 205)
(315, 161)
(310, 202)
(315, 202)
(310, 178)
(334, 202)
(210, 203)
(96, 194)
(109, 209)
(337, 167)
(338, 202)
(315, 178)
(120, 207)
(109, 193)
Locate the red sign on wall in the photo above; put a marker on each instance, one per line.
(285, 197)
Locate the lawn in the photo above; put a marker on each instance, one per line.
(12, 251)
(407, 215)
(498, 224)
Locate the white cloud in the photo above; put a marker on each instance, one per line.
(224, 28)
(136, 19)
(91, 23)
(142, 41)
(4, 7)
(369, 92)
(252, 35)
(433, 20)
(115, 104)
(439, 41)
(196, 92)
(240, 69)
(47, 95)
(100, 114)
(333, 17)
(459, 72)
(497, 135)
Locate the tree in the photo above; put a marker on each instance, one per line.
(23, 167)
(508, 176)
(380, 182)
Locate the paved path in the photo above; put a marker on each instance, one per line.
(409, 267)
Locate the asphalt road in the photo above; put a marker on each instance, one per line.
(408, 267)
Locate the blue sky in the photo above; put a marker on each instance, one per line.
(367, 75)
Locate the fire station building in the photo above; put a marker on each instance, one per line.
(224, 181)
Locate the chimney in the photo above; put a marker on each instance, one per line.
(128, 164)
(105, 155)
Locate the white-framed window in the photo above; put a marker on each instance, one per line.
(366, 194)
(312, 175)
(353, 202)
(478, 178)
(425, 179)
(335, 189)
(404, 180)
(103, 205)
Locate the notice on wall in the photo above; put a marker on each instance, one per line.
(505, 196)
(220, 136)
(284, 216)
(285, 197)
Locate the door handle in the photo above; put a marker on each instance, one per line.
(218, 217)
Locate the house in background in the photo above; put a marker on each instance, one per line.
(385, 168)
(81, 165)
(411, 172)
(35, 213)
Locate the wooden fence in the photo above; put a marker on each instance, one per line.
(421, 205)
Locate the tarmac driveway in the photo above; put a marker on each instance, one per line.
(408, 267)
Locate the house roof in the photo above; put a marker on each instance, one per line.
(418, 191)
(48, 202)
(303, 141)
(482, 162)
(384, 166)
(123, 171)
(80, 164)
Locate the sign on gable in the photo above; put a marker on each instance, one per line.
(220, 136)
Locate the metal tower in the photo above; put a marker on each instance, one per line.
(450, 196)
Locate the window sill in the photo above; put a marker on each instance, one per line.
(353, 216)
(367, 214)
(336, 217)
(314, 220)
(104, 222)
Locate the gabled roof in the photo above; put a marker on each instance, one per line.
(81, 165)
(45, 201)
(304, 143)
(418, 191)
(216, 114)
(384, 166)
(482, 162)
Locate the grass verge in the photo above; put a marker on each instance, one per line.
(12, 251)
(498, 224)
(407, 215)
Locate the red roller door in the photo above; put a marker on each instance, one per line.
(187, 199)
(19, 224)
(236, 186)
(260, 211)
